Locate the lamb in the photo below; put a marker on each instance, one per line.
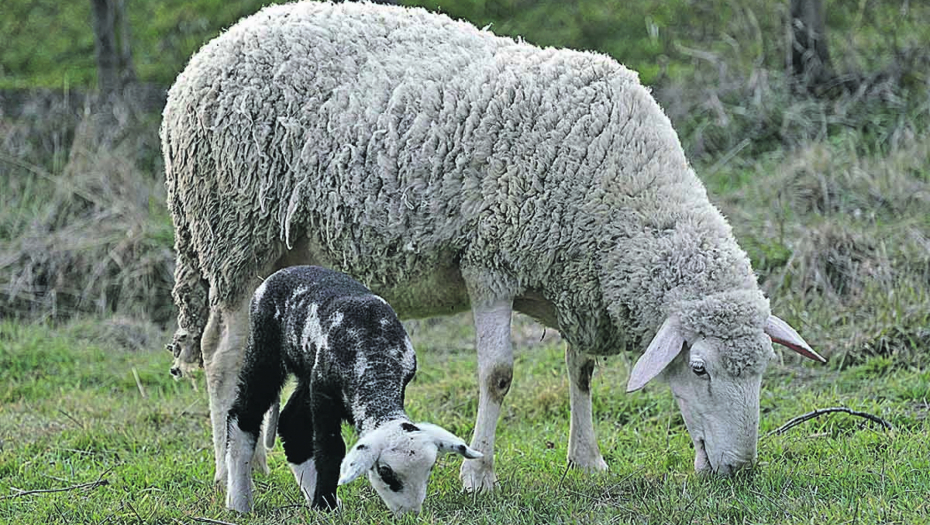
(447, 168)
(353, 360)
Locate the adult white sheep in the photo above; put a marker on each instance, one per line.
(445, 167)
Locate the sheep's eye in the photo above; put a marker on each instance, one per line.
(698, 368)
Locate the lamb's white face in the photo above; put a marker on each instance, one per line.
(400, 475)
(721, 410)
(399, 457)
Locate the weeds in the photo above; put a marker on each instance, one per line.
(71, 414)
(94, 237)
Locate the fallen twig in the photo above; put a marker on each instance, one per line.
(568, 465)
(208, 520)
(72, 418)
(135, 374)
(793, 422)
(88, 486)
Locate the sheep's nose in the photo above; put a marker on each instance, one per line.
(175, 371)
(728, 469)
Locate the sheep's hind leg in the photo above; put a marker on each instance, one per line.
(223, 345)
(495, 373)
(583, 452)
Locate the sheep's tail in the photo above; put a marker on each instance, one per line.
(191, 290)
(190, 294)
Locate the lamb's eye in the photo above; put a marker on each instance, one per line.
(388, 476)
(698, 368)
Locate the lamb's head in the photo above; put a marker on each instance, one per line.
(186, 351)
(398, 457)
(712, 352)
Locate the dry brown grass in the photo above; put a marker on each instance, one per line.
(842, 244)
(94, 236)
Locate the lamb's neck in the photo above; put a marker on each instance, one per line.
(369, 424)
(376, 408)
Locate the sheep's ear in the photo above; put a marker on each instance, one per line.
(665, 346)
(358, 461)
(448, 442)
(782, 333)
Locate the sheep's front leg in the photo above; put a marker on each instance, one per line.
(217, 389)
(583, 452)
(495, 372)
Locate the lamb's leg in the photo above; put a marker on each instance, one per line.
(223, 347)
(495, 372)
(583, 452)
(259, 385)
(328, 448)
(241, 446)
(295, 427)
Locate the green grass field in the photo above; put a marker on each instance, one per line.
(72, 412)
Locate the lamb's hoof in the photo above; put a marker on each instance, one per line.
(260, 464)
(588, 465)
(326, 505)
(477, 477)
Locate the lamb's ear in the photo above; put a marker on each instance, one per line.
(358, 461)
(782, 333)
(448, 442)
(665, 346)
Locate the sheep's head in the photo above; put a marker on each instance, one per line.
(186, 352)
(398, 457)
(712, 353)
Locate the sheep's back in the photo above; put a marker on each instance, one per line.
(399, 140)
(345, 121)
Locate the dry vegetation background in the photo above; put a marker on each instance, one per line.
(829, 192)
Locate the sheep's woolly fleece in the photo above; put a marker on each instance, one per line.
(396, 141)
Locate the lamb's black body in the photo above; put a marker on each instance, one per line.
(350, 354)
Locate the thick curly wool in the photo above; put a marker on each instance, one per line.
(403, 148)
(735, 320)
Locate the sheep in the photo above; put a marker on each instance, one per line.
(353, 360)
(447, 168)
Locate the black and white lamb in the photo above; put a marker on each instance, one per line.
(352, 360)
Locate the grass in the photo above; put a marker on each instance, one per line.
(72, 412)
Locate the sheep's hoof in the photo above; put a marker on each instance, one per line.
(478, 477)
(240, 505)
(588, 465)
(219, 479)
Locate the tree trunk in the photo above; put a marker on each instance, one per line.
(809, 58)
(111, 44)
